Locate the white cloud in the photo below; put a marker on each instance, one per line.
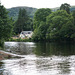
(36, 3)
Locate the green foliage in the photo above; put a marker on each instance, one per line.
(40, 32)
(5, 25)
(40, 27)
(60, 25)
(46, 25)
(40, 15)
(72, 8)
(14, 12)
(20, 40)
(66, 7)
(23, 22)
(2, 42)
(73, 14)
(36, 34)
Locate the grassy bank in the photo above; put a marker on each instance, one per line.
(20, 40)
(48, 40)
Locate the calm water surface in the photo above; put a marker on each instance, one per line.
(39, 59)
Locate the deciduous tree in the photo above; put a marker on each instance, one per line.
(40, 27)
(40, 15)
(60, 25)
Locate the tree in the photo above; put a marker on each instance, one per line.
(73, 14)
(5, 24)
(39, 25)
(40, 32)
(66, 7)
(60, 25)
(40, 15)
(23, 22)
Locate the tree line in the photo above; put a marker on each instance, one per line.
(9, 27)
(23, 23)
(46, 25)
(58, 25)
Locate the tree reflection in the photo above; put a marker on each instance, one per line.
(22, 48)
(47, 49)
(1, 68)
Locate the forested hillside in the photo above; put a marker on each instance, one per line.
(72, 8)
(13, 12)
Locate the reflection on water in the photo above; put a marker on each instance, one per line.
(47, 49)
(1, 68)
(40, 59)
(19, 47)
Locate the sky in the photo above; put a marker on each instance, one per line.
(36, 3)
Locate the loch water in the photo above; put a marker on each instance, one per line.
(39, 59)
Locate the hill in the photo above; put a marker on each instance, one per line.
(72, 8)
(13, 12)
(57, 8)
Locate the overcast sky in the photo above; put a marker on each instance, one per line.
(36, 3)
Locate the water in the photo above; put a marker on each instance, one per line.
(39, 59)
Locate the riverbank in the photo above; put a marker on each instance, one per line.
(46, 40)
(8, 55)
(20, 40)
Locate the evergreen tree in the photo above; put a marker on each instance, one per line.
(23, 22)
(5, 24)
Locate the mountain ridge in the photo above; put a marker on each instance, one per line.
(13, 12)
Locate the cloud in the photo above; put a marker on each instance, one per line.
(36, 3)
